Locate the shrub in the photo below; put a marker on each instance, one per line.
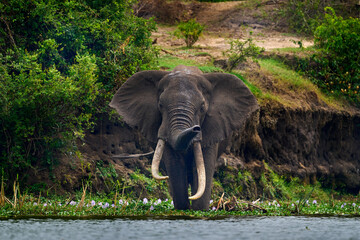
(240, 51)
(304, 16)
(42, 109)
(190, 31)
(337, 67)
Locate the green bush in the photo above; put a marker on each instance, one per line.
(60, 63)
(42, 109)
(337, 61)
(59, 30)
(240, 51)
(304, 16)
(189, 31)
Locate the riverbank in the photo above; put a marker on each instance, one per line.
(96, 207)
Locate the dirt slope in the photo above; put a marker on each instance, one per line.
(234, 20)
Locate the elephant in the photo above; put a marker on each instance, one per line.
(187, 114)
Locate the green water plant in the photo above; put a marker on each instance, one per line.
(87, 204)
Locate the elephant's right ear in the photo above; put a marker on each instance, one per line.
(137, 102)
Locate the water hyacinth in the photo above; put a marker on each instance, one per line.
(158, 206)
(121, 202)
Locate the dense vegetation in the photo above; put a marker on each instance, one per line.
(60, 61)
(337, 62)
(304, 16)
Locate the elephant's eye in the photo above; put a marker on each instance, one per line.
(160, 106)
(202, 108)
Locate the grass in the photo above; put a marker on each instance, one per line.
(170, 62)
(296, 199)
(286, 79)
(290, 80)
(254, 89)
(307, 50)
(94, 206)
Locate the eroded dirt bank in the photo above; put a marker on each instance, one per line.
(313, 145)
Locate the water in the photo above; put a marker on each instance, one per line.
(229, 228)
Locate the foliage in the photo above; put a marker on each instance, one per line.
(336, 65)
(150, 187)
(24, 206)
(60, 62)
(189, 31)
(61, 30)
(304, 16)
(241, 50)
(42, 109)
(85, 204)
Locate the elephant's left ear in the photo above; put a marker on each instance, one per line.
(230, 104)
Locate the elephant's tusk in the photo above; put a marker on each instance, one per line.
(156, 160)
(200, 168)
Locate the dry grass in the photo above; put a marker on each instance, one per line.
(281, 84)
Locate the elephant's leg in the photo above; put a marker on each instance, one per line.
(177, 172)
(210, 156)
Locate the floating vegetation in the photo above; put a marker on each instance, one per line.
(31, 206)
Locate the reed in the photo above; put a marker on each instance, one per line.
(2, 193)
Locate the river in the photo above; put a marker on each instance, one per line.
(150, 228)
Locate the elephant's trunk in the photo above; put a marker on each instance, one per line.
(182, 140)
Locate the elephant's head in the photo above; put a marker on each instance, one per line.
(184, 107)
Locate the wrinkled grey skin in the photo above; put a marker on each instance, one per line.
(181, 107)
